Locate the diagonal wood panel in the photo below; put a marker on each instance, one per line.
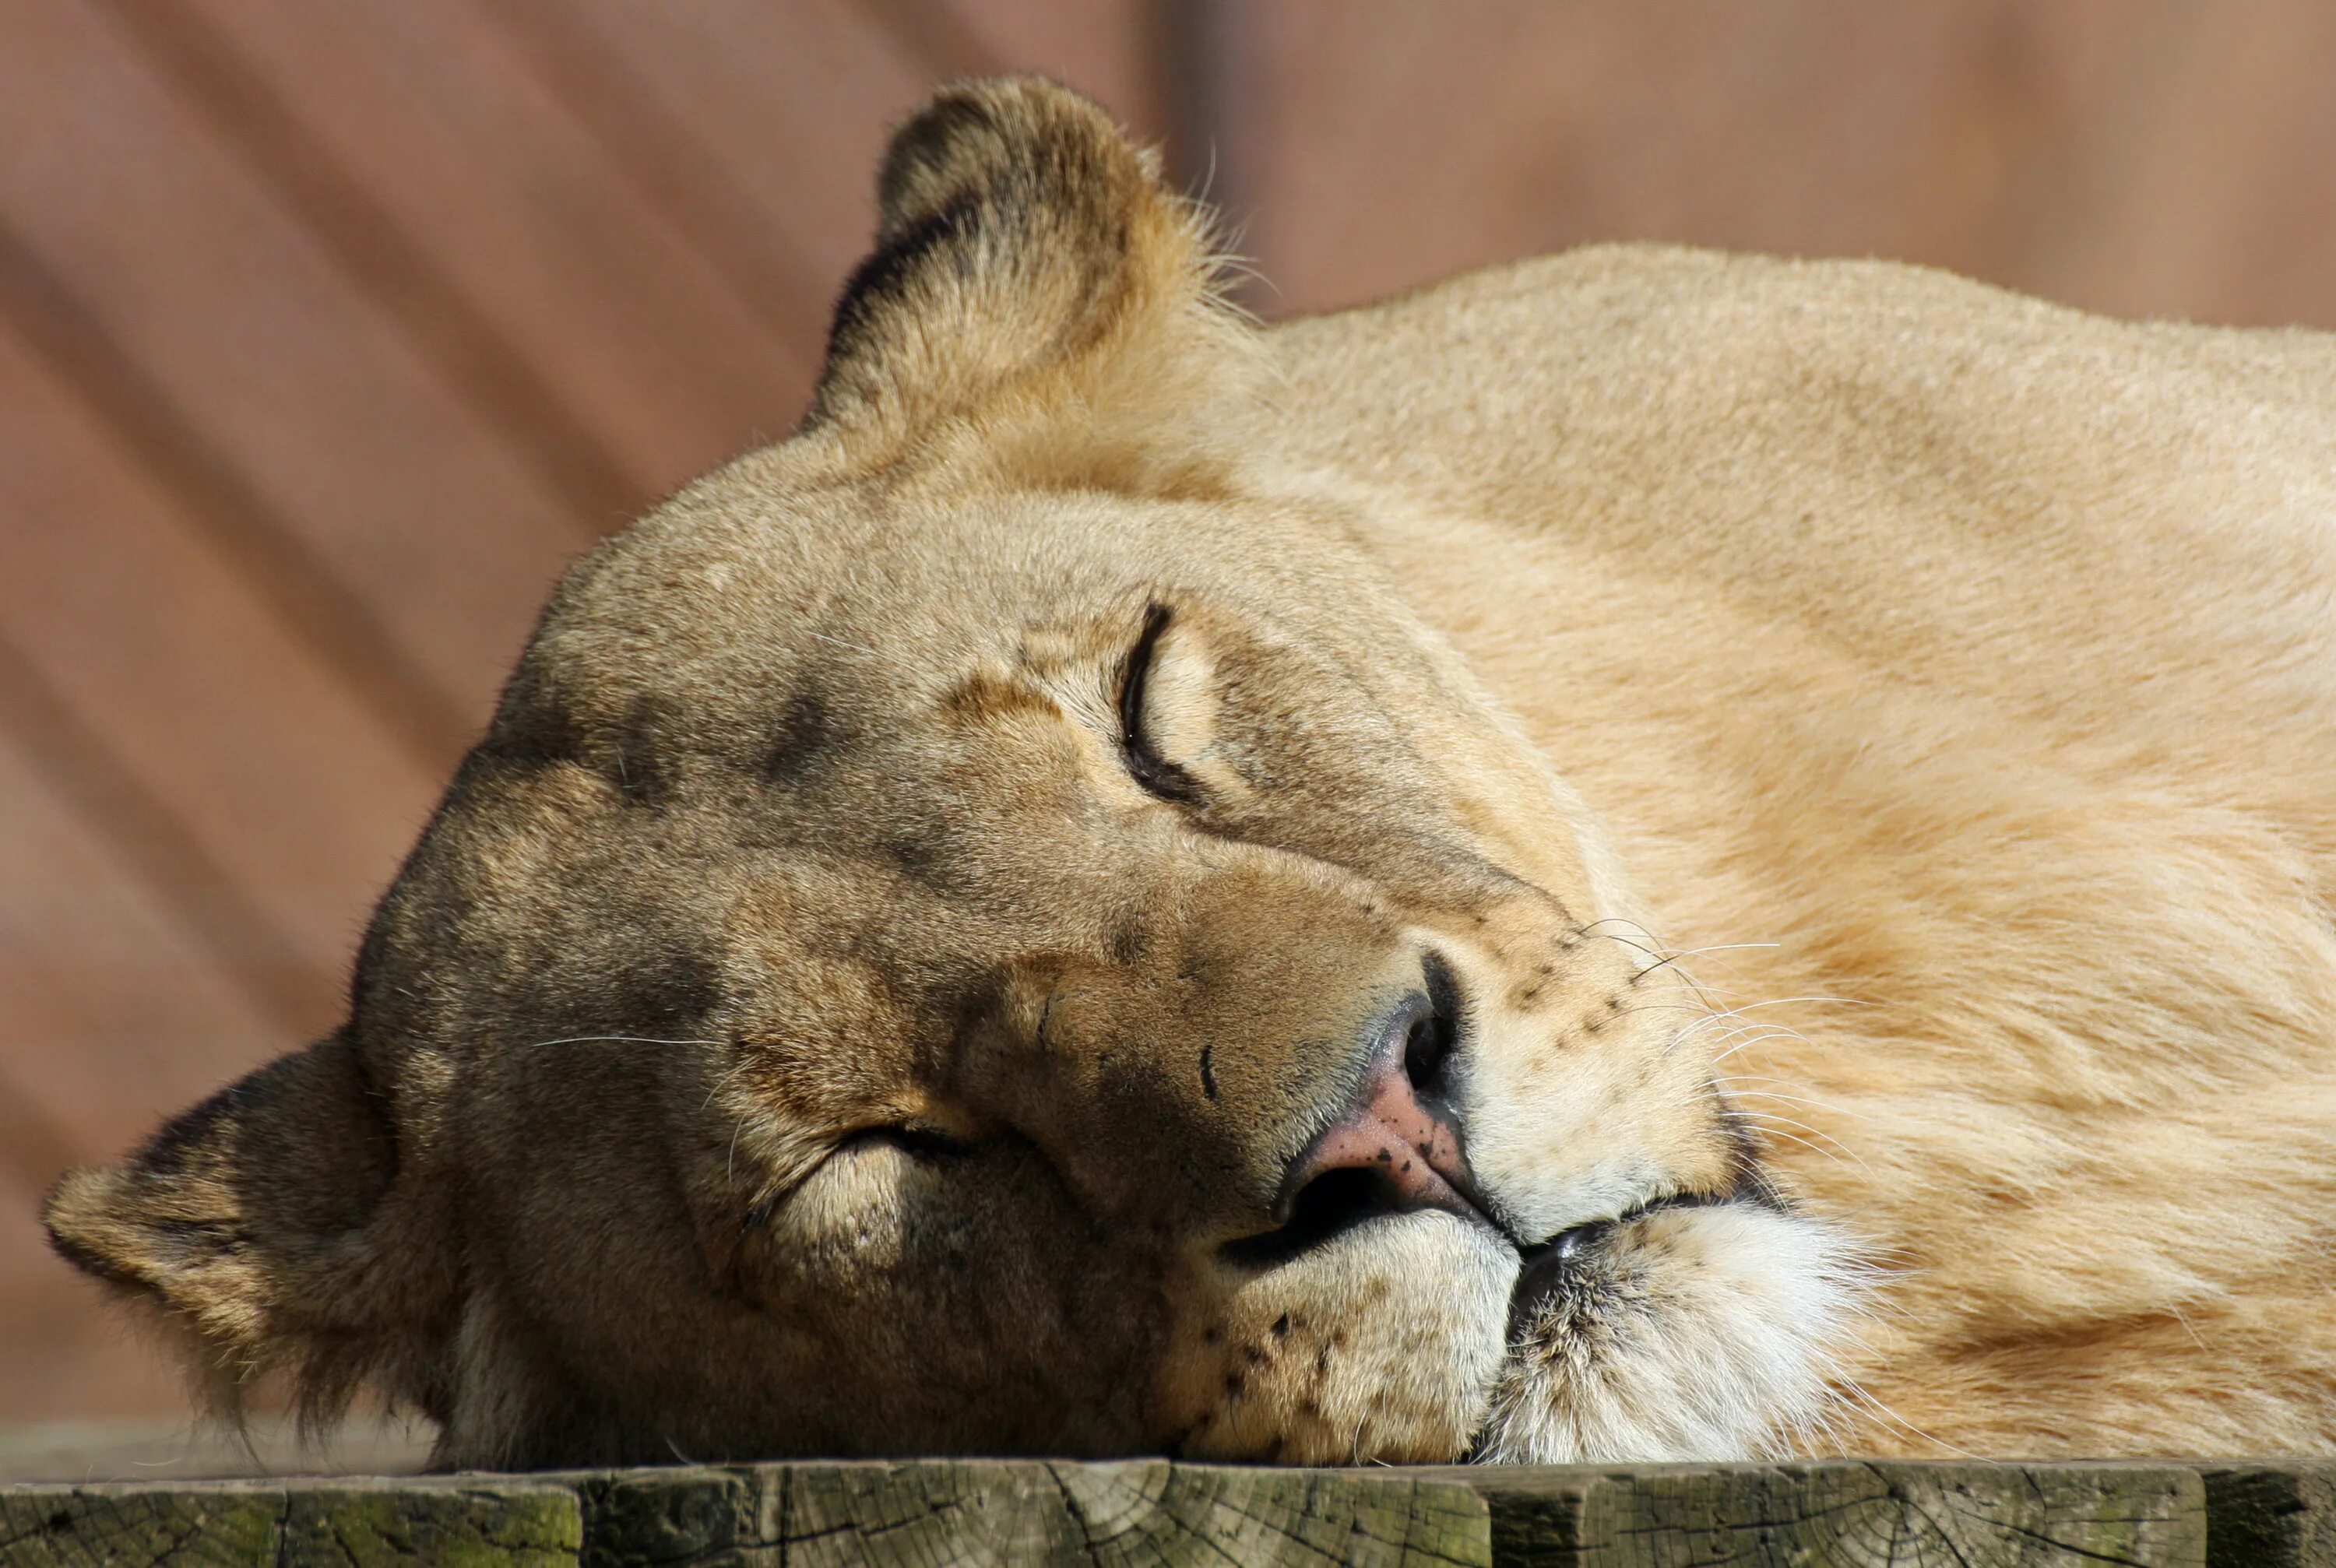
(111, 1011)
(428, 127)
(367, 467)
(194, 817)
(2215, 196)
(255, 121)
(664, 154)
(1798, 127)
(273, 808)
(2150, 158)
(760, 126)
(333, 616)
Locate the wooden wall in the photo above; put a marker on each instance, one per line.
(328, 331)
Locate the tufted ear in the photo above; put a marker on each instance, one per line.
(1032, 280)
(257, 1223)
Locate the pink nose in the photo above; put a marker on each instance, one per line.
(1398, 1141)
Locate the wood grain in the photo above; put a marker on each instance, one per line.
(1001, 1512)
(2272, 1515)
(508, 1525)
(1105, 1515)
(1850, 1513)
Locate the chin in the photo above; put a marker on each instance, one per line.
(1384, 1346)
(1702, 1332)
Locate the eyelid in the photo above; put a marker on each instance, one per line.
(918, 1140)
(1154, 772)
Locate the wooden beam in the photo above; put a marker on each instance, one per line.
(2163, 1514)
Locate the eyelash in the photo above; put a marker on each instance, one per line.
(917, 1142)
(1146, 766)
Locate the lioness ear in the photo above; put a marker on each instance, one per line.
(1032, 279)
(255, 1221)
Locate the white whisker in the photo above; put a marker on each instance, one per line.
(1814, 1147)
(1793, 1100)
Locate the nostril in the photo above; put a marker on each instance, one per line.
(1328, 1206)
(1395, 1149)
(1423, 1051)
(1434, 1032)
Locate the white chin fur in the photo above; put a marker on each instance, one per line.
(1691, 1333)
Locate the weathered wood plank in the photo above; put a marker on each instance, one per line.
(1828, 1514)
(509, 1525)
(989, 1511)
(2270, 1515)
(364, 1527)
(1848, 1513)
(637, 1518)
(139, 1525)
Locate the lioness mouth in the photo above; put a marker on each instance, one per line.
(1335, 1205)
(1550, 1266)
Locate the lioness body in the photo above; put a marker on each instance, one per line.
(1976, 660)
(1638, 856)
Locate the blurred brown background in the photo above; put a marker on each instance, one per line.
(329, 331)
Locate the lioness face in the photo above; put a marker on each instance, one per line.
(970, 934)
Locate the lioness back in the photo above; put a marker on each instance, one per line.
(1640, 856)
(1976, 658)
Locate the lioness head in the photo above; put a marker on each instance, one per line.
(993, 926)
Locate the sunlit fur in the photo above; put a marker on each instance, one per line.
(1706, 1333)
(1863, 745)
(1341, 1358)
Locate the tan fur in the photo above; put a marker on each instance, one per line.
(1864, 745)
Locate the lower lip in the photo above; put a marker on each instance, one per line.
(1546, 1266)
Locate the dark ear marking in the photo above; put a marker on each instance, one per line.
(1032, 281)
(189, 1132)
(881, 279)
(1004, 236)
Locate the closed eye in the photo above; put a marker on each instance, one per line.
(918, 1140)
(1144, 765)
(928, 1146)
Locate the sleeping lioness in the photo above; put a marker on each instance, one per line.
(1641, 855)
